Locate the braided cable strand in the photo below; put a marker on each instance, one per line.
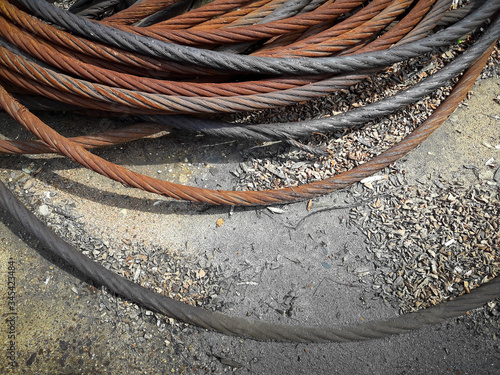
(248, 32)
(149, 102)
(253, 64)
(370, 20)
(104, 139)
(216, 10)
(255, 329)
(68, 63)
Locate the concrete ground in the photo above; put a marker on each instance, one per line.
(253, 261)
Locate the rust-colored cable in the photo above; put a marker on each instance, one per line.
(154, 86)
(107, 56)
(362, 24)
(44, 51)
(205, 37)
(260, 330)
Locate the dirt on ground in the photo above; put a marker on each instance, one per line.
(305, 263)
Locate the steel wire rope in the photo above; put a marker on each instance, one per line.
(233, 19)
(253, 64)
(159, 102)
(256, 329)
(307, 148)
(260, 330)
(47, 53)
(217, 9)
(278, 14)
(353, 118)
(147, 102)
(266, 132)
(103, 139)
(90, 48)
(248, 13)
(277, 23)
(361, 25)
(100, 53)
(204, 35)
(131, 178)
(433, 17)
(252, 32)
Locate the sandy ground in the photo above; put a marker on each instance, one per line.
(262, 268)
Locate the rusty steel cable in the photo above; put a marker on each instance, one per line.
(96, 51)
(364, 25)
(103, 139)
(33, 75)
(202, 36)
(130, 178)
(259, 330)
(153, 103)
(68, 63)
(354, 117)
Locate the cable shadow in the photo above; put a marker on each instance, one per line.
(175, 147)
(154, 205)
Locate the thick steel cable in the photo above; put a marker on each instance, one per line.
(144, 102)
(418, 22)
(278, 14)
(364, 24)
(217, 9)
(290, 41)
(101, 54)
(49, 54)
(429, 22)
(82, 46)
(349, 119)
(257, 14)
(256, 329)
(249, 32)
(254, 64)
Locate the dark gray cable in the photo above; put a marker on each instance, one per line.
(234, 325)
(252, 64)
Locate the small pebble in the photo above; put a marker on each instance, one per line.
(44, 210)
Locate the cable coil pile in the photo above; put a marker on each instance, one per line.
(172, 63)
(292, 51)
